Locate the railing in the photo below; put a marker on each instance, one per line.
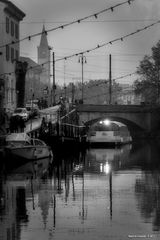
(34, 133)
(62, 127)
(63, 130)
(73, 131)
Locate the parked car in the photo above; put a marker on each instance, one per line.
(22, 112)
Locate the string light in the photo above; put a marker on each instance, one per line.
(110, 42)
(68, 24)
(102, 45)
(114, 79)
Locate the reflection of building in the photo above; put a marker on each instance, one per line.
(17, 194)
(9, 32)
(32, 79)
(14, 211)
(44, 200)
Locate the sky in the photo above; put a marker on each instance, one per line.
(79, 37)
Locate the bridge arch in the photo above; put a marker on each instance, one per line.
(142, 121)
(133, 128)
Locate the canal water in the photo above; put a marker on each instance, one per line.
(95, 194)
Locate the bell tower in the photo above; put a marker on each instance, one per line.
(44, 61)
(44, 58)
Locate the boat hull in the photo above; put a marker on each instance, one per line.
(28, 152)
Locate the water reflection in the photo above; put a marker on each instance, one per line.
(15, 188)
(97, 194)
(147, 189)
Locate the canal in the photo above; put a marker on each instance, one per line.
(95, 194)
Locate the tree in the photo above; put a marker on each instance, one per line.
(148, 85)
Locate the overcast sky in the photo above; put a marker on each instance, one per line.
(86, 35)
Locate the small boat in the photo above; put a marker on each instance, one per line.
(110, 138)
(109, 133)
(20, 145)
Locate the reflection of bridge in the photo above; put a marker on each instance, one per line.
(138, 118)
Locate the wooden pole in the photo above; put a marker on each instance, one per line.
(54, 86)
(110, 80)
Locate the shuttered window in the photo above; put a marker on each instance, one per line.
(16, 31)
(7, 25)
(12, 28)
(7, 52)
(12, 55)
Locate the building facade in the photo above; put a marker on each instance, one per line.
(33, 85)
(11, 16)
(127, 96)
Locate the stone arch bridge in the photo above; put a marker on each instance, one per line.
(141, 120)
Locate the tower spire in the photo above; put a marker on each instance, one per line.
(44, 41)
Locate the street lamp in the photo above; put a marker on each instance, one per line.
(54, 86)
(82, 59)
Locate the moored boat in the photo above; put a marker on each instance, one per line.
(114, 134)
(20, 145)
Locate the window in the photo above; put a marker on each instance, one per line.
(12, 90)
(7, 53)
(16, 31)
(7, 25)
(12, 28)
(12, 55)
(17, 55)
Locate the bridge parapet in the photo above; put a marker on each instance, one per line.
(136, 117)
(117, 108)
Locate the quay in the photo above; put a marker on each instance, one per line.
(57, 130)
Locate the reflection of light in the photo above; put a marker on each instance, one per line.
(107, 122)
(106, 168)
(101, 167)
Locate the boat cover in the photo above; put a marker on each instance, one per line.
(20, 137)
